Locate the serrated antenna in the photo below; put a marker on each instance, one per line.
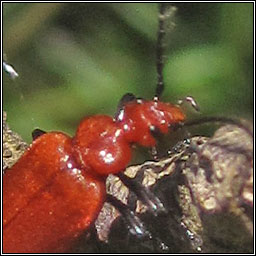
(164, 13)
(160, 52)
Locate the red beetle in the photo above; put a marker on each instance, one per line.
(57, 188)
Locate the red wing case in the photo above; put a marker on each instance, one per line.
(47, 200)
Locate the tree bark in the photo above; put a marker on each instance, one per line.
(205, 184)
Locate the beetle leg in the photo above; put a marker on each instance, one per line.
(144, 194)
(136, 226)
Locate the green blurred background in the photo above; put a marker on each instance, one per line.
(77, 59)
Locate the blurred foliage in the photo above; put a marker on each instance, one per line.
(77, 59)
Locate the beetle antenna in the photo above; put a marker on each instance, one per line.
(221, 120)
(159, 52)
(164, 13)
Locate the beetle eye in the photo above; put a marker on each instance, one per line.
(37, 133)
(152, 128)
(128, 97)
(155, 132)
